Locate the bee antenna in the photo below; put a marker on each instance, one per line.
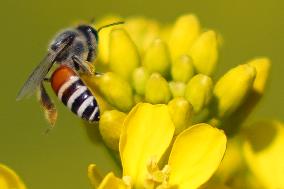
(108, 25)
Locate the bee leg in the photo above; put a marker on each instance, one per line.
(48, 106)
(99, 74)
(84, 65)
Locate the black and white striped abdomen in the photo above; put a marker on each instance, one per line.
(74, 94)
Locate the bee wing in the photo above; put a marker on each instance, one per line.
(42, 69)
(37, 76)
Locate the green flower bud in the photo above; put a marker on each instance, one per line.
(157, 90)
(184, 33)
(139, 78)
(124, 57)
(182, 69)
(116, 91)
(110, 125)
(177, 88)
(204, 52)
(199, 91)
(232, 88)
(157, 58)
(181, 112)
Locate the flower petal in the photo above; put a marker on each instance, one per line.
(9, 179)
(264, 152)
(148, 131)
(94, 175)
(111, 181)
(196, 154)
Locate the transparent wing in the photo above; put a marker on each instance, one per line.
(37, 76)
(42, 69)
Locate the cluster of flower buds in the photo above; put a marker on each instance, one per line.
(144, 62)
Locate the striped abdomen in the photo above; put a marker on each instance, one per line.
(71, 90)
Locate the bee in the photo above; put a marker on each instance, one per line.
(73, 49)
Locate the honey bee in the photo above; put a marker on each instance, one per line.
(73, 49)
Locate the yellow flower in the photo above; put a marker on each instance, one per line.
(9, 179)
(264, 151)
(147, 134)
(168, 145)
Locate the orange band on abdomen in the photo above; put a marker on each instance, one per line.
(60, 76)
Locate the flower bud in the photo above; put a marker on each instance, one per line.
(181, 112)
(157, 90)
(185, 31)
(199, 91)
(92, 83)
(110, 126)
(124, 57)
(139, 78)
(157, 58)
(204, 52)
(116, 91)
(142, 31)
(177, 88)
(165, 33)
(262, 66)
(182, 69)
(232, 88)
(104, 35)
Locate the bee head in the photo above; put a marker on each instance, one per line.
(89, 29)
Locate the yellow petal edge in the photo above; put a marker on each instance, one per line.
(196, 154)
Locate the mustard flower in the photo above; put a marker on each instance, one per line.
(171, 67)
(166, 119)
(148, 132)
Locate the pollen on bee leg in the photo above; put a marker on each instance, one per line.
(48, 106)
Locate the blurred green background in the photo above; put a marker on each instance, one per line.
(249, 28)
